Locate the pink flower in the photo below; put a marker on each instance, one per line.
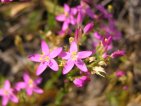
(119, 73)
(29, 85)
(7, 94)
(118, 53)
(104, 11)
(4, 1)
(67, 17)
(46, 58)
(81, 81)
(84, 10)
(74, 57)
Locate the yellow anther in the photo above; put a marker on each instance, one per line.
(30, 82)
(74, 55)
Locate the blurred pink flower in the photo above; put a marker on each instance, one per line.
(46, 58)
(84, 10)
(81, 81)
(88, 27)
(4, 1)
(125, 87)
(102, 10)
(7, 93)
(118, 53)
(29, 85)
(74, 58)
(119, 73)
(68, 17)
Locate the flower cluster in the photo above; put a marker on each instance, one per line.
(89, 62)
(9, 93)
(92, 31)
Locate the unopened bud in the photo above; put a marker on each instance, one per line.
(91, 59)
(102, 63)
(98, 70)
(71, 39)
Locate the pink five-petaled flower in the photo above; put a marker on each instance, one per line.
(74, 58)
(7, 94)
(46, 58)
(29, 85)
(81, 81)
(67, 17)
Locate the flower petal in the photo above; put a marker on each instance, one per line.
(65, 55)
(35, 57)
(53, 65)
(74, 11)
(66, 8)
(29, 91)
(38, 81)
(55, 52)
(41, 68)
(84, 54)
(73, 47)
(61, 17)
(26, 77)
(20, 85)
(81, 65)
(45, 48)
(7, 85)
(65, 26)
(90, 13)
(1, 92)
(68, 66)
(14, 98)
(38, 90)
(72, 20)
(5, 100)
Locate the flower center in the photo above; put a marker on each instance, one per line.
(74, 55)
(66, 14)
(30, 82)
(6, 92)
(44, 58)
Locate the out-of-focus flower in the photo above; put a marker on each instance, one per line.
(88, 27)
(102, 10)
(29, 85)
(97, 35)
(4, 1)
(74, 58)
(81, 81)
(67, 17)
(84, 10)
(111, 30)
(46, 58)
(119, 73)
(117, 53)
(7, 94)
(107, 43)
(125, 87)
